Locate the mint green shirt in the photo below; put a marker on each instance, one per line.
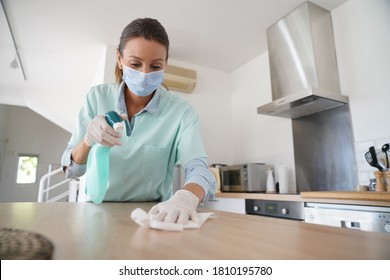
(156, 140)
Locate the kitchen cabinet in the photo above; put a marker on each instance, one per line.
(367, 211)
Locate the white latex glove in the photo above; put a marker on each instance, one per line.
(99, 131)
(180, 208)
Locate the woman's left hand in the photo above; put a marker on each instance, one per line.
(180, 208)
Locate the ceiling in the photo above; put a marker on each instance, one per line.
(61, 42)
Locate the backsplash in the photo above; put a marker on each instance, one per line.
(287, 160)
(366, 171)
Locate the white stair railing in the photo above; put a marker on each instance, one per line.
(44, 187)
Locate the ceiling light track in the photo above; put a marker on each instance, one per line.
(13, 40)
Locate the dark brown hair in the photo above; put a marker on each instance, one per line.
(148, 28)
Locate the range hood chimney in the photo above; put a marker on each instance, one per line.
(303, 66)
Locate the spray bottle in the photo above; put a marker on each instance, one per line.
(98, 163)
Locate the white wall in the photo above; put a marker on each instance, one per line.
(27, 132)
(212, 100)
(262, 135)
(362, 38)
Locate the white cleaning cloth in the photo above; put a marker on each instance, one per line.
(141, 217)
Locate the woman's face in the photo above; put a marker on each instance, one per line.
(143, 55)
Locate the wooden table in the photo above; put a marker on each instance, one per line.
(105, 231)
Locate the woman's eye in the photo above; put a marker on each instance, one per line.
(135, 65)
(156, 67)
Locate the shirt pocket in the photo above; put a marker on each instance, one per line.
(155, 163)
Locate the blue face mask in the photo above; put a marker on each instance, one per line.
(140, 83)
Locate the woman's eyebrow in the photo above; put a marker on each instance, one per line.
(157, 59)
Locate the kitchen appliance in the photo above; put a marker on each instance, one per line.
(306, 89)
(277, 209)
(358, 217)
(303, 66)
(248, 177)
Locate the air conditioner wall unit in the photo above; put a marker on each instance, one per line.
(179, 79)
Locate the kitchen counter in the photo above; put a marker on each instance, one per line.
(356, 198)
(105, 231)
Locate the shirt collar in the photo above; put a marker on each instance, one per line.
(151, 107)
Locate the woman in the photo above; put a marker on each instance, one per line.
(162, 131)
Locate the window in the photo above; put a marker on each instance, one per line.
(27, 169)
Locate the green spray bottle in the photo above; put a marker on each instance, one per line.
(98, 163)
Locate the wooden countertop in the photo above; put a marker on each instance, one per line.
(349, 195)
(357, 198)
(267, 196)
(105, 231)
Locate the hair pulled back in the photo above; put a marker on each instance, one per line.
(148, 28)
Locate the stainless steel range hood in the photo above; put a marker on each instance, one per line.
(303, 65)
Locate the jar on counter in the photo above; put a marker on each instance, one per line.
(372, 185)
(386, 179)
(380, 186)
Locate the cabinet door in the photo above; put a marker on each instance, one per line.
(234, 205)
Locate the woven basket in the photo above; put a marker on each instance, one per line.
(16, 244)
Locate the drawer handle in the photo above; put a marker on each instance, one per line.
(352, 225)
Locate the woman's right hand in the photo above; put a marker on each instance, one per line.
(99, 131)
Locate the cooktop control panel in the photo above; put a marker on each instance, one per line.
(277, 209)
